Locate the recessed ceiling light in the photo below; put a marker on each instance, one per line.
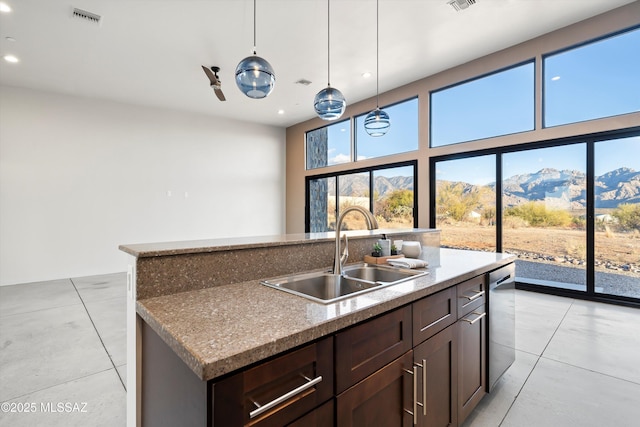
(555, 78)
(366, 74)
(5, 7)
(10, 39)
(281, 112)
(10, 58)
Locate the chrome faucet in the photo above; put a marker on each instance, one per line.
(372, 224)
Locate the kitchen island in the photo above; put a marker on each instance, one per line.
(199, 315)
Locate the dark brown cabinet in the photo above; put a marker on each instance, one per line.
(382, 399)
(471, 361)
(421, 364)
(277, 392)
(437, 376)
(363, 349)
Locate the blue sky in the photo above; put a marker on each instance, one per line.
(591, 81)
(609, 155)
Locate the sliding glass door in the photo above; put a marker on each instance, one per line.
(569, 212)
(617, 217)
(544, 214)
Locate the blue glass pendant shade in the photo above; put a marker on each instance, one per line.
(255, 77)
(377, 122)
(329, 103)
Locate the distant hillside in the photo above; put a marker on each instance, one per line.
(358, 185)
(561, 188)
(568, 188)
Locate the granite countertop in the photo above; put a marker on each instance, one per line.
(142, 250)
(218, 330)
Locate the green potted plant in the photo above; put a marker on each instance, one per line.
(394, 250)
(377, 250)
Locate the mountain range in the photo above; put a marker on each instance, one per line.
(560, 188)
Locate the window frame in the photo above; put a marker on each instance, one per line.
(531, 61)
(370, 170)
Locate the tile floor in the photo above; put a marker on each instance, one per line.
(63, 352)
(63, 342)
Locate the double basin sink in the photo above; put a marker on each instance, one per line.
(355, 279)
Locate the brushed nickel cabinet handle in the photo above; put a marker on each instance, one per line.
(284, 397)
(480, 316)
(414, 414)
(475, 296)
(424, 387)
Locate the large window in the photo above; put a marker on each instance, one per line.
(465, 202)
(498, 104)
(543, 215)
(329, 145)
(596, 80)
(387, 191)
(401, 137)
(617, 217)
(569, 211)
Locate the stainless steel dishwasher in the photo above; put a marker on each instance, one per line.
(501, 336)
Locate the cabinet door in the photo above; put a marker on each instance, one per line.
(367, 347)
(433, 313)
(381, 399)
(471, 361)
(276, 392)
(437, 379)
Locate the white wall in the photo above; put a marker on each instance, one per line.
(79, 176)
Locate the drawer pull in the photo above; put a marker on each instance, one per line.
(284, 397)
(424, 387)
(475, 296)
(414, 413)
(480, 316)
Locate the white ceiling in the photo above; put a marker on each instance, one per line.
(149, 52)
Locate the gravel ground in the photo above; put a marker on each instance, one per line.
(608, 283)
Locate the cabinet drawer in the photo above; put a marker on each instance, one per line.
(471, 294)
(365, 348)
(319, 417)
(276, 392)
(433, 313)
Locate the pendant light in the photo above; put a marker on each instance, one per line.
(377, 122)
(254, 75)
(329, 103)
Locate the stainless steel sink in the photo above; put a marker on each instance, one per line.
(327, 287)
(381, 274)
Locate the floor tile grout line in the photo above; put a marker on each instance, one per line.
(520, 389)
(536, 364)
(98, 333)
(557, 327)
(591, 370)
(57, 385)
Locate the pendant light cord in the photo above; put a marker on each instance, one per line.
(328, 43)
(377, 54)
(254, 27)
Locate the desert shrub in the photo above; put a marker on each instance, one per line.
(628, 216)
(398, 204)
(514, 222)
(452, 200)
(537, 215)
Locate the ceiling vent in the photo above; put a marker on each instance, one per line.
(303, 82)
(86, 16)
(459, 5)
